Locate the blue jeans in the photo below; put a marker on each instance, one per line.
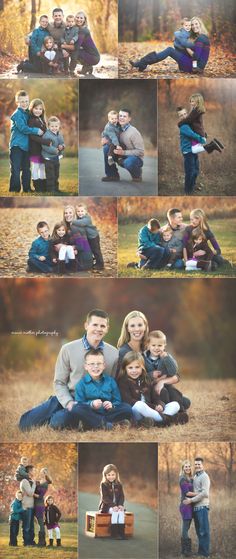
(202, 528)
(14, 531)
(20, 170)
(185, 528)
(154, 257)
(40, 415)
(110, 170)
(36, 265)
(28, 527)
(133, 164)
(91, 419)
(191, 169)
(169, 51)
(178, 264)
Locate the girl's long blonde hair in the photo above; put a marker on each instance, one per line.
(110, 468)
(125, 336)
(200, 214)
(129, 358)
(198, 98)
(202, 26)
(35, 103)
(183, 464)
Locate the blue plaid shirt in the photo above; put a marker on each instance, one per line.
(87, 345)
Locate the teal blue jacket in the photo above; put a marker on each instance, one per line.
(87, 390)
(16, 510)
(37, 38)
(147, 239)
(40, 247)
(186, 135)
(20, 130)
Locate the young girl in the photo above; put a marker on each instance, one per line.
(112, 500)
(134, 333)
(52, 516)
(195, 120)
(39, 507)
(52, 57)
(199, 243)
(62, 252)
(136, 390)
(84, 220)
(186, 511)
(37, 119)
(198, 219)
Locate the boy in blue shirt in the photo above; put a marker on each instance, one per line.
(39, 253)
(19, 144)
(149, 246)
(191, 163)
(98, 395)
(16, 514)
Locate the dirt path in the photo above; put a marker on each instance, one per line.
(92, 170)
(142, 544)
(107, 68)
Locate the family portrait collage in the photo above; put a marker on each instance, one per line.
(117, 279)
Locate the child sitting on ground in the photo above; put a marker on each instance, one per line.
(51, 57)
(173, 243)
(16, 514)
(53, 153)
(62, 252)
(21, 471)
(112, 132)
(84, 220)
(193, 261)
(162, 368)
(39, 253)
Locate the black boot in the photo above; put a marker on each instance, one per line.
(212, 146)
(188, 547)
(121, 531)
(58, 542)
(219, 143)
(50, 543)
(37, 185)
(150, 58)
(72, 265)
(42, 541)
(86, 69)
(61, 267)
(114, 531)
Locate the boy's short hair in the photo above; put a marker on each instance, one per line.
(41, 224)
(112, 113)
(81, 205)
(157, 334)
(99, 313)
(70, 16)
(93, 352)
(184, 20)
(21, 93)
(17, 492)
(153, 223)
(54, 119)
(41, 17)
(167, 229)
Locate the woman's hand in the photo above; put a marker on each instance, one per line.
(199, 253)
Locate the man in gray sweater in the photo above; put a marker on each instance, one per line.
(131, 158)
(56, 411)
(200, 503)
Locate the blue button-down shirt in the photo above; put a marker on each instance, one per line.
(88, 389)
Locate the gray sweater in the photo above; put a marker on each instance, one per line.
(28, 491)
(201, 486)
(50, 152)
(133, 141)
(87, 224)
(70, 368)
(112, 132)
(70, 34)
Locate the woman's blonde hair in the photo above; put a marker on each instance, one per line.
(110, 468)
(85, 24)
(125, 336)
(129, 358)
(200, 214)
(71, 208)
(198, 98)
(45, 470)
(35, 103)
(202, 26)
(183, 464)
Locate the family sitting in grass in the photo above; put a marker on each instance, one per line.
(30, 504)
(36, 147)
(97, 385)
(73, 246)
(56, 48)
(177, 246)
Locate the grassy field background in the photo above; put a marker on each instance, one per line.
(225, 233)
(212, 411)
(69, 178)
(68, 550)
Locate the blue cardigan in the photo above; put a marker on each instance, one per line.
(87, 390)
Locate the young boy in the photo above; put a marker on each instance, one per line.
(149, 245)
(53, 153)
(69, 38)
(84, 220)
(35, 40)
(163, 370)
(21, 471)
(175, 245)
(39, 253)
(98, 396)
(16, 514)
(112, 132)
(191, 163)
(19, 144)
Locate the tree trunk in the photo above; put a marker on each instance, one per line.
(1, 5)
(156, 19)
(135, 25)
(33, 15)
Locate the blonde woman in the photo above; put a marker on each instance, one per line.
(198, 219)
(186, 511)
(87, 52)
(193, 55)
(133, 336)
